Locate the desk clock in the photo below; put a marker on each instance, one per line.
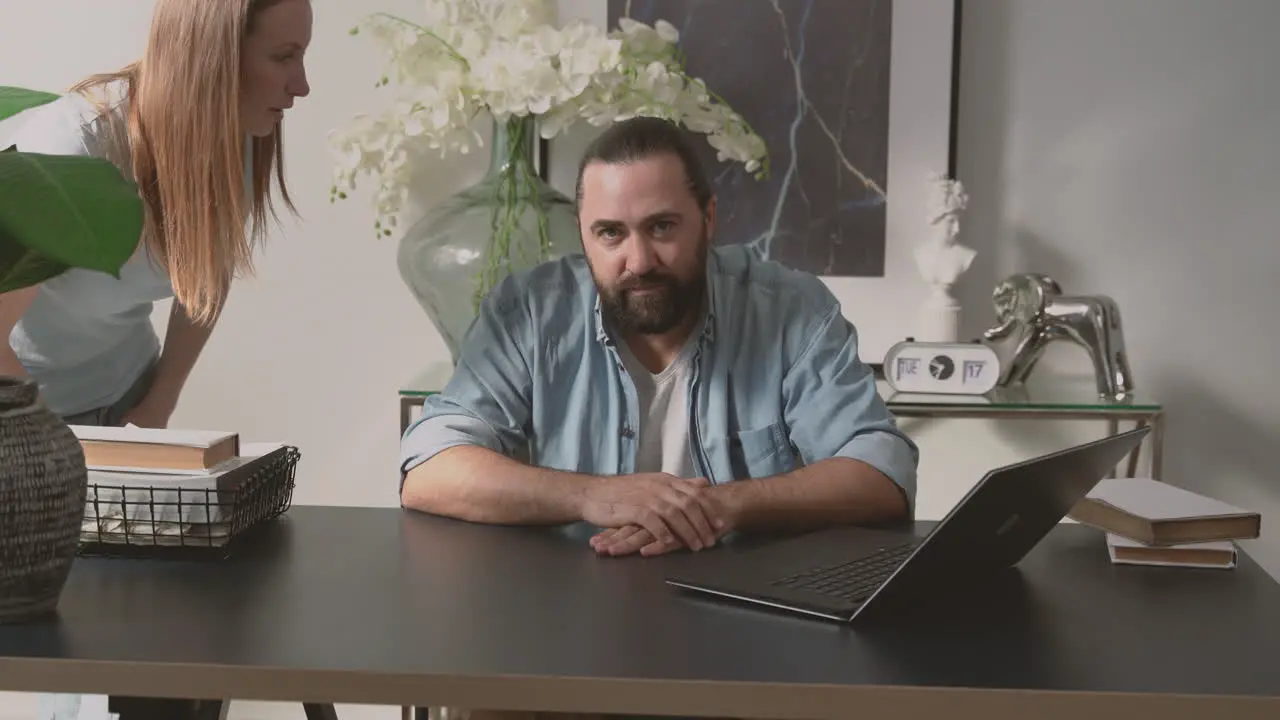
(941, 368)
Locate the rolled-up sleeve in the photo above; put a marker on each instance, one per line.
(834, 410)
(429, 436)
(486, 402)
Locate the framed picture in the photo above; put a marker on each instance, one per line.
(855, 100)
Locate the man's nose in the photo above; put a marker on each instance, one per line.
(640, 257)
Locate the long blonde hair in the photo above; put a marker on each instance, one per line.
(186, 147)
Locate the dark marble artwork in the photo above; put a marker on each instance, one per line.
(812, 78)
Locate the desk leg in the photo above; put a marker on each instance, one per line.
(441, 713)
(319, 711)
(145, 708)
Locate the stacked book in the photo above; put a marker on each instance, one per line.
(1148, 522)
(164, 486)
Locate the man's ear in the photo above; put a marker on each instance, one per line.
(710, 217)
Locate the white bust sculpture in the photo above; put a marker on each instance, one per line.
(941, 261)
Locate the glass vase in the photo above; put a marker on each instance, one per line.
(509, 221)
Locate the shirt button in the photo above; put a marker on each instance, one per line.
(627, 432)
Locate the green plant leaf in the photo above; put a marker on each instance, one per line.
(70, 210)
(59, 212)
(14, 100)
(20, 267)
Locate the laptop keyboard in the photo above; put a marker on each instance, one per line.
(854, 580)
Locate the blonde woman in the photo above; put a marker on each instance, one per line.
(196, 122)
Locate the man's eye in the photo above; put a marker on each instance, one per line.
(662, 226)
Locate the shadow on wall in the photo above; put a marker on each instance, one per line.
(1030, 253)
(983, 121)
(982, 162)
(1033, 254)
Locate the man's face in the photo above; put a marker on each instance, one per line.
(646, 241)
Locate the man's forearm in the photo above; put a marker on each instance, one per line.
(479, 485)
(184, 340)
(834, 491)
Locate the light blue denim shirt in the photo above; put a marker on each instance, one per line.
(776, 380)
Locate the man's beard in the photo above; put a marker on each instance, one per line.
(668, 303)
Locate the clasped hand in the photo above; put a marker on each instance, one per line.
(655, 513)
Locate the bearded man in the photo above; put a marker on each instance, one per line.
(661, 389)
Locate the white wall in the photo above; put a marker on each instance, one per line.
(1130, 148)
(1123, 147)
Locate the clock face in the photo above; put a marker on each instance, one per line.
(941, 367)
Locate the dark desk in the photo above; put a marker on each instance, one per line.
(387, 607)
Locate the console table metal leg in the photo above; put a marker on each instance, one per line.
(1137, 452)
(1113, 427)
(1157, 446)
(406, 414)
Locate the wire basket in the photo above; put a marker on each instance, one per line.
(166, 520)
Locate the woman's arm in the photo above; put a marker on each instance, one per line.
(184, 340)
(13, 305)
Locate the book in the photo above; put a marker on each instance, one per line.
(1156, 513)
(142, 449)
(1217, 554)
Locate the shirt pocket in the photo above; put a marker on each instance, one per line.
(760, 452)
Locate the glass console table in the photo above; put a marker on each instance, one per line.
(1052, 398)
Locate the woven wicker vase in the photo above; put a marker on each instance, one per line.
(42, 494)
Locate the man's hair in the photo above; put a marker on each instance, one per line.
(644, 137)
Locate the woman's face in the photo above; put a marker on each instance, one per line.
(272, 64)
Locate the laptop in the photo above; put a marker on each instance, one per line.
(845, 573)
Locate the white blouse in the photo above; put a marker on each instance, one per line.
(87, 336)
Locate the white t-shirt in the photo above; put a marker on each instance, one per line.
(664, 413)
(87, 336)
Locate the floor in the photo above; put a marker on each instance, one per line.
(25, 706)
